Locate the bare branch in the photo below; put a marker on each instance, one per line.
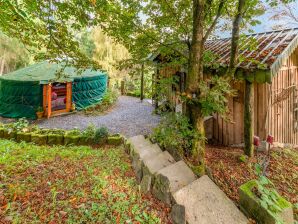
(218, 14)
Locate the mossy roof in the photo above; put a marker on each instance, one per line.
(46, 72)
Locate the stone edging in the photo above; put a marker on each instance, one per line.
(57, 139)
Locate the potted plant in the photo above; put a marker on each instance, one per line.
(39, 112)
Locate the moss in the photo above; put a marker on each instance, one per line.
(251, 205)
(243, 158)
(1, 132)
(247, 188)
(39, 139)
(115, 140)
(9, 134)
(86, 140)
(71, 139)
(21, 136)
(55, 139)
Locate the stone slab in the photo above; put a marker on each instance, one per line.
(251, 205)
(152, 164)
(170, 179)
(136, 142)
(205, 203)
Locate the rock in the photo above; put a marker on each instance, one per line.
(1, 132)
(71, 139)
(115, 140)
(170, 179)
(141, 152)
(55, 139)
(39, 139)
(21, 136)
(205, 203)
(146, 184)
(152, 164)
(178, 214)
(175, 153)
(136, 142)
(251, 205)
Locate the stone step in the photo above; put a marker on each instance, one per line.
(137, 142)
(205, 203)
(140, 148)
(151, 165)
(171, 179)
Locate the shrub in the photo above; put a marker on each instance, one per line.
(89, 132)
(21, 125)
(108, 100)
(175, 132)
(101, 134)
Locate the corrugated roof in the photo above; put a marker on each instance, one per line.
(45, 72)
(266, 50)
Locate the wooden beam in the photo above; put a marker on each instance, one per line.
(248, 118)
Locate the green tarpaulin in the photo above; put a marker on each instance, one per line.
(21, 91)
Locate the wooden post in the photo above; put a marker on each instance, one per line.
(248, 118)
(142, 82)
(49, 95)
(122, 87)
(68, 96)
(156, 86)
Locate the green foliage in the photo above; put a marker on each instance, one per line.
(74, 132)
(94, 182)
(214, 95)
(175, 131)
(89, 132)
(162, 91)
(13, 55)
(269, 198)
(101, 133)
(21, 125)
(109, 99)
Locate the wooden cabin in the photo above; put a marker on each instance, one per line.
(272, 68)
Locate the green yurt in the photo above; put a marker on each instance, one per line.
(40, 87)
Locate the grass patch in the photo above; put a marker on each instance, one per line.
(42, 184)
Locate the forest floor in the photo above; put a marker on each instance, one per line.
(229, 172)
(42, 184)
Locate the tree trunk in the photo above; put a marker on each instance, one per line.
(236, 37)
(248, 118)
(195, 76)
(122, 87)
(142, 82)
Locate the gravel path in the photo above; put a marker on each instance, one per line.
(129, 117)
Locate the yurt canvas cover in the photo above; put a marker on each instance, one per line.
(21, 91)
